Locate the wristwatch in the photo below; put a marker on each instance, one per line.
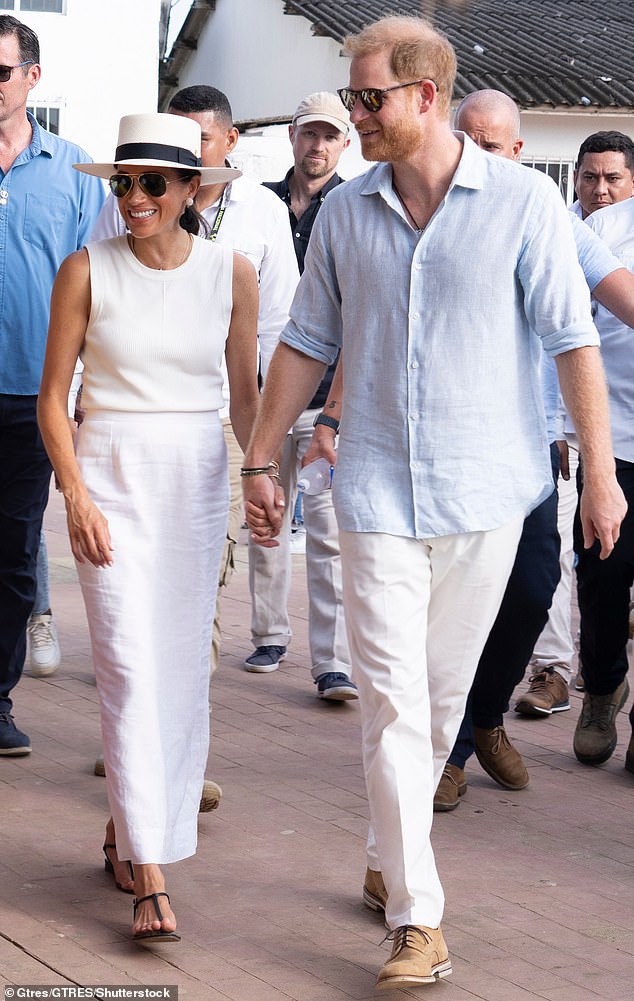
(330, 422)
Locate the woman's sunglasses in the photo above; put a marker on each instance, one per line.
(150, 183)
(372, 97)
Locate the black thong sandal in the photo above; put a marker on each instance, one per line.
(165, 936)
(108, 866)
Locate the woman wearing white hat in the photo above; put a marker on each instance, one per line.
(150, 314)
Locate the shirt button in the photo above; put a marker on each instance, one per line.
(297, 235)
(414, 316)
(418, 266)
(414, 364)
(414, 417)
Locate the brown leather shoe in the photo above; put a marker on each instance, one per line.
(374, 892)
(419, 956)
(209, 798)
(451, 787)
(547, 693)
(499, 758)
(595, 735)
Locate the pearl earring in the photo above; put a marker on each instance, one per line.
(189, 202)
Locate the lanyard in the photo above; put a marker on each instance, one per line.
(226, 194)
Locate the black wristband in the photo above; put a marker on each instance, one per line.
(330, 422)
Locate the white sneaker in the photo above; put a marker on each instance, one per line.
(298, 542)
(44, 654)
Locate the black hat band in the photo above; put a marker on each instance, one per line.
(156, 151)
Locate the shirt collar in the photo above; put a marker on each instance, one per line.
(321, 194)
(469, 173)
(42, 141)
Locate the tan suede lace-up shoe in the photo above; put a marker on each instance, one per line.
(374, 892)
(499, 758)
(451, 787)
(419, 956)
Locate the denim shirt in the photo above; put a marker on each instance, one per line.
(443, 428)
(47, 211)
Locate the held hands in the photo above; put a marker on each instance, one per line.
(88, 532)
(264, 507)
(602, 509)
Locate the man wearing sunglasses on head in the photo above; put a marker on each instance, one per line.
(443, 440)
(47, 210)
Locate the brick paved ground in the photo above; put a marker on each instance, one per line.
(539, 884)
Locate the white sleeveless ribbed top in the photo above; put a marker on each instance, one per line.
(155, 339)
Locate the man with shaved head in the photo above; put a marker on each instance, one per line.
(492, 120)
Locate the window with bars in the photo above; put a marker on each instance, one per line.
(35, 6)
(561, 172)
(47, 115)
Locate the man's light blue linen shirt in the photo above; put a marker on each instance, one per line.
(443, 428)
(615, 225)
(47, 211)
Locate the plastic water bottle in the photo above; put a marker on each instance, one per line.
(315, 477)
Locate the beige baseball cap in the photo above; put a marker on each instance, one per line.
(323, 107)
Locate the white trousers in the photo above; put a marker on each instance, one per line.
(418, 614)
(270, 569)
(555, 646)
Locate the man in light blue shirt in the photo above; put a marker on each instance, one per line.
(442, 274)
(47, 210)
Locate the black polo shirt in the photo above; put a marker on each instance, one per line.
(301, 230)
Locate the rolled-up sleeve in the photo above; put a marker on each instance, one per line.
(556, 296)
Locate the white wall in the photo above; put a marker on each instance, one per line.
(560, 134)
(264, 60)
(99, 61)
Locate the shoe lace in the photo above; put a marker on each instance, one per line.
(597, 710)
(40, 633)
(6, 718)
(406, 935)
(538, 682)
(499, 740)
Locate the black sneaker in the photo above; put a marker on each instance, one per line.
(12, 741)
(265, 659)
(337, 687)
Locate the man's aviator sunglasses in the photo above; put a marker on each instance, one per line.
(6, 71)
(150, 183)
(372, 97)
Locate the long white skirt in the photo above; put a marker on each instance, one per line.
(161, 481)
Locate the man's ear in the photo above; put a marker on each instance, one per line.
(232, 138)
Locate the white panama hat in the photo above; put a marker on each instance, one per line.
(159, 140)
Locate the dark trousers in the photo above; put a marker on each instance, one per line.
(25, 474)
(520, 620)
(603, 589)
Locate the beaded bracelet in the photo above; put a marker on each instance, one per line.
(273, 469)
